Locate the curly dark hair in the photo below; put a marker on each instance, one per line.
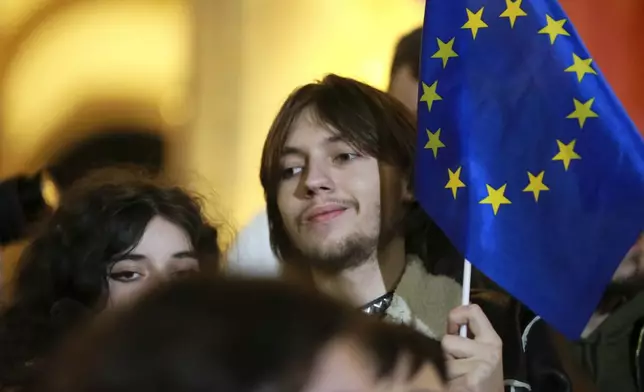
(62, 274)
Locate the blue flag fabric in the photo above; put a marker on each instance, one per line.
(526, 159)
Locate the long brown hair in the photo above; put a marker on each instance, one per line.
(372, 122)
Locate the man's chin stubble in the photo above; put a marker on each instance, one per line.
(349, 255)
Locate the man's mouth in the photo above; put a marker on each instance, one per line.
(324, 213)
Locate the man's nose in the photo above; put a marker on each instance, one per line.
(318, 179)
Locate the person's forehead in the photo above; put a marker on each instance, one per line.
(162, 235)
(307, 130)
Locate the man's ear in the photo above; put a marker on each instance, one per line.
(407, 191)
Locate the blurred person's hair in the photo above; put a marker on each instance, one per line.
(407, 53)
(22, 205)
(374, 123)
(62, 274)
(111, 146)
(203, 334)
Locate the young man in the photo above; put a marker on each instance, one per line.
(337, 175)
(250, 253)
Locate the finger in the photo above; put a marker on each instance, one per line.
(460, 367)
(458, 347)
(476, 320)
(455, 329)
(453, 318)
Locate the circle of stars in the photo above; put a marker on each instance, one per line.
(583, 109)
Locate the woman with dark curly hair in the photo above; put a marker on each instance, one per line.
(114, 235)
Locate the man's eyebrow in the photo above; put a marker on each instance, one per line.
(291, 150)
(334, 139)
(288, 150)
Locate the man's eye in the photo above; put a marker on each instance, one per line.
(346, 157)
(291, 172)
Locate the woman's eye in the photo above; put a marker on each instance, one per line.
(291, 172)
(125, 276)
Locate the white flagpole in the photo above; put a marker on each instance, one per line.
(465, 294)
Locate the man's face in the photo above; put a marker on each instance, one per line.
(628, 279)
(329, 197)
(633, 264)
(404, 87)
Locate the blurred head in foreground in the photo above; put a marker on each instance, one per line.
(198, 334)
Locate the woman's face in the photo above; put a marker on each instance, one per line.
(164, 252)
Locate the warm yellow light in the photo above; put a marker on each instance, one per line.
(14, 13)
(141, 50)
(297, 42)
(124, 50)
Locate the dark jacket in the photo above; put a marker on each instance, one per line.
(530, 360)
(612, 355)
(636, 354)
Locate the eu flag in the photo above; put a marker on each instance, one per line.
(526, 159)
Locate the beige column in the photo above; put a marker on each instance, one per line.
(207, 151)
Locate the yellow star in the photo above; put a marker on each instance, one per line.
(583, 111)
(581, 67)
(495, 197)
(513, 11)
(445, 51)
(454, 181)
(430, 95)
(566, 153)
(536, 185)
(474, 21)
(434, 141)
(554, 28)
